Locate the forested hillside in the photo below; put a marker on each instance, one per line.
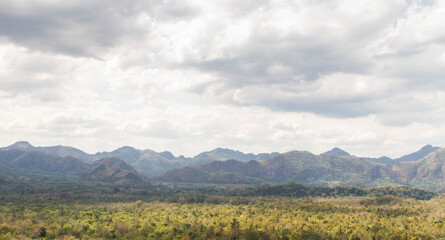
(17, 162)
(113, 170)
(147, 162)
(333, 168)
(326, 170)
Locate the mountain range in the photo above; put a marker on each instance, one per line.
(424, 168)
(329, 170)
(300, 166)
(14, 160)
(221, 154)
(147, 162)
(406, 158)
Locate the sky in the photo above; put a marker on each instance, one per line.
(367, 76)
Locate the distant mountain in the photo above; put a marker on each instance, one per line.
(424, 151)
(303, 167)
(8, 156)
(45, 162)
(168, 155)
(430, 170)
(60, 151)
(113, 170)
(337, 152)
(325, 170)
(193, 175)
(147, 162)
(152, 163)
(431, 167)
(251, 168)
(418, 155)
(335, 167)
(17, 163)
(64, 151)
(39, 162)
(3, 179)
(221, 154)
(185, 175)
(126, 153)
(21, 145)
(382, 160)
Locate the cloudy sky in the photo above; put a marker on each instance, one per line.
(254, 75)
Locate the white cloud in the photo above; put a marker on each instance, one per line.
(257, 76)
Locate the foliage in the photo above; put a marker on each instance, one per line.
(401, 191)
(300, 190)
(279, 218)
(88, 210)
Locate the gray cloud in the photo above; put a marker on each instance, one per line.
(17, 86)
(177, 10)
(304, 57)
(35, 75)
(327, 102)
(192, 75)
(84, 28)
(291, 54)
(270, 67)
(322, 48)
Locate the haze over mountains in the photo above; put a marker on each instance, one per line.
(147, 162)
(406, 158)
(329, 170)
(14, 160)
(126, 165)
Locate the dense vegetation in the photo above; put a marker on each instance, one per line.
(49, 194)
(44, 190)
(88, 210)
(281, 218)
(300, 190)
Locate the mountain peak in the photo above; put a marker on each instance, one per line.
(220, 149)
(429, 147)
(338, 152)
(21, 145)
(167, 155)
(425, 150)
(126, 149)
